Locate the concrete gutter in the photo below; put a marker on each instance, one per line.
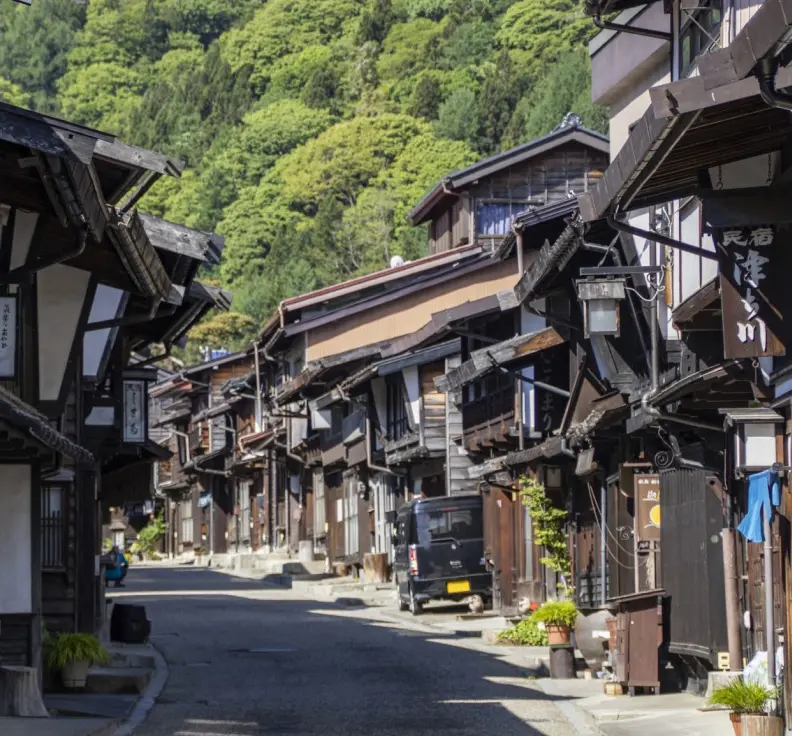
(148, 699)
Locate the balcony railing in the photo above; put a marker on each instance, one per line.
(492, 406)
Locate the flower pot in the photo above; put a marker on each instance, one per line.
(736, 721)
(557, 634)
(75, 674)
(762, 725)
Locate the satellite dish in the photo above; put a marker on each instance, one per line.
(396, 261)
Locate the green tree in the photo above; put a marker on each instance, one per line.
(343, 159)
(36, 42)
(457, 118)
(12, 94)
(433, 9)
(425, 99)
(499, 95)
(375, 22)
(100, 95)
(222, 331)
(537, 32)
(566, 88)
(281, 27)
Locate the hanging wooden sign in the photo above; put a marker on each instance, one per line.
(8, 337)
(135, 427)
(753, 264)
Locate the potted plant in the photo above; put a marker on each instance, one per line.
(746, 701)
(73, 654)
(558, 618)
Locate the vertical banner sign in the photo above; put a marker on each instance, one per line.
(8, 337)
(754, 280)
(647, 511)
(552, 368)
(135, 429)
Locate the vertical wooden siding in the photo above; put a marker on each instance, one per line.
(433, 417)
(692, 564)
(457, 460)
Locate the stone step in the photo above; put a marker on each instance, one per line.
(111, 680)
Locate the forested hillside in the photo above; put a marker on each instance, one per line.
(310, 127)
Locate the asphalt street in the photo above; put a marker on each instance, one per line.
(249, 658)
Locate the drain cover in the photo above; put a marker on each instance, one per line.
(262, 650)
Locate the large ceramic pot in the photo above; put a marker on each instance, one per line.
(762, 725)
(557, 634)
(75, 674)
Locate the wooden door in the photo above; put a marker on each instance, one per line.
(334, 511)
(500, 542)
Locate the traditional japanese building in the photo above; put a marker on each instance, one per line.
(86, 279)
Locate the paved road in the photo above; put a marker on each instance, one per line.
(246, 659)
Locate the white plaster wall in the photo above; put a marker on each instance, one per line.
(61, 295)
(16, 593)
(24, 225)
(530, 323)
(107, 304)
(413, 386)
(632, 105)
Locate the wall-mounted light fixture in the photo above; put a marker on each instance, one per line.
(601, 299)
(754, 437)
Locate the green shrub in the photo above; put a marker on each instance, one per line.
(741, 696)
(525, 633)
(76, 648)
(556, 613)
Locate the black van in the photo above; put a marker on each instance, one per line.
(439, 551)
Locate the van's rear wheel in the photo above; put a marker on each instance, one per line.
(400, 602)
(416, 607)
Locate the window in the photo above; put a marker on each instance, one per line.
(244, 511)
(186, 522)
(396, 407)
(495, 218)
(448, 524)
(52, 527)
(319, 502)
(699, 30)
(181, 443)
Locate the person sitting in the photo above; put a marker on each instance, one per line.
(118, 570)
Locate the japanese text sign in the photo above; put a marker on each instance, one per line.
(8, 336)
(135, 429)
(754, 280)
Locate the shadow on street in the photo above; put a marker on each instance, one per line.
(246, 658)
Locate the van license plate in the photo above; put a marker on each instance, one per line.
(459, 586)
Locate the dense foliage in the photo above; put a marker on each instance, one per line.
(525, 633)
(310, 127)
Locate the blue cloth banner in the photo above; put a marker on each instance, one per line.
(764, 492)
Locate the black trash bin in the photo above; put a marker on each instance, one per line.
(129, 625)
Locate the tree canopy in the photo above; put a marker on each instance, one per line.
(310, 127)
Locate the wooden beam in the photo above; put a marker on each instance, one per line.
(703, 299)
(485, 360)
(181, 240)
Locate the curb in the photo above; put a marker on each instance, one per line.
(108, 729)
(147, 700)
(583, 721)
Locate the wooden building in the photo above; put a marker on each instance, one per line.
(200, 422)
(697, 185)
(86, 278)
(366, 427)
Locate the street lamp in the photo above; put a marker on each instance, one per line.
(601, 299)
(754, 437)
